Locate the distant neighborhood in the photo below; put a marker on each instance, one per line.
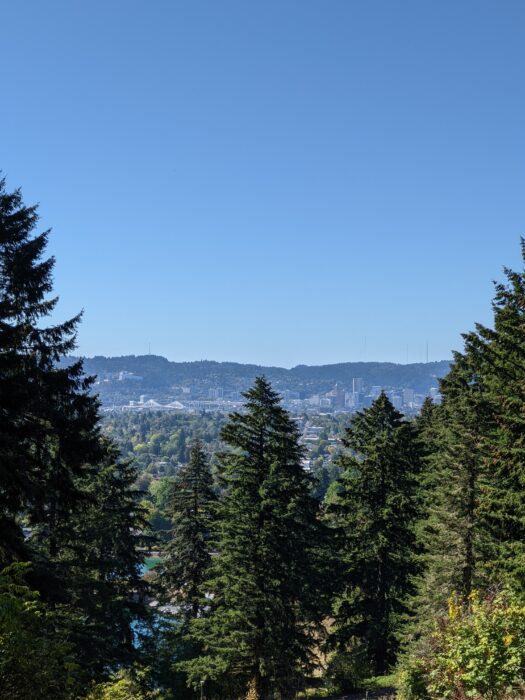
(218, 387)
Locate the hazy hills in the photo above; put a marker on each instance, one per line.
(159, 373)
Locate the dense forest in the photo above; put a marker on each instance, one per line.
(406, 571)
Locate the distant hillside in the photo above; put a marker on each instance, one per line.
(419, 376)
(161, 374)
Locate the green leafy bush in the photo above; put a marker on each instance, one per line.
(36, 659)
(347, 669)
(122, 686)
(411, 680)
(477, 651)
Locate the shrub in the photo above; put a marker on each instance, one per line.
(36, 659)
(477, 651)
(122, 686)
(347, 669)
(411, 679)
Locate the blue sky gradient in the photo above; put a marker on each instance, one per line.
(273, 182)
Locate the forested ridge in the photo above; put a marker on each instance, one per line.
(407, 572)
(159, 373)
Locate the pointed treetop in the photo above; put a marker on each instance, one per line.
(262, 393)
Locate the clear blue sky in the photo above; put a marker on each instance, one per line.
(278, 181)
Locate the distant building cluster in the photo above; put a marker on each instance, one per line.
(358, 396)
(339, 399)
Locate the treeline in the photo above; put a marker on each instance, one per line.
(413, 563)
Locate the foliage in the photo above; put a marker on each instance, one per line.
(37, 660)
(412, 679)
(498, 353)
(477, 650)
(60, 479)
(124, 686)
(188, 552)
(453, 479)
(159, 442)
(100, 562)
(190, 505)
(348, 668)
(480, 650)
(264, 590)
(473, 533)
(49, 422)
(376, 509)
(164, 648)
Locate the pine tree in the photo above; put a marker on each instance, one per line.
(57, 475)
(476, 513)
(48, 420)
(455, 477)
(498, 355)
(475, 528)
(377, 510)
(263, 588)
(100, 564)
(188, 553)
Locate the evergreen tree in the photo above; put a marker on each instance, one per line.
(188, 553)
(57, 475)
(100, 564)
(452, 530)
(263, 589)
(48, 420)
(474, 531)
(475, 527)
(498, 355)
(377, 509)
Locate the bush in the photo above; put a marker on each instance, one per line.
(36, 659)
(346, 670)
(411, 680)
(477, 651)
(122, 687)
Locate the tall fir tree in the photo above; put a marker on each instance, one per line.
(57, 475)
(191, 510)
(498, 355)
(377, 510)
(100, 564)
(49, 421)
(188, 552)
(263, 590)
(475, 531)
(452, 530)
